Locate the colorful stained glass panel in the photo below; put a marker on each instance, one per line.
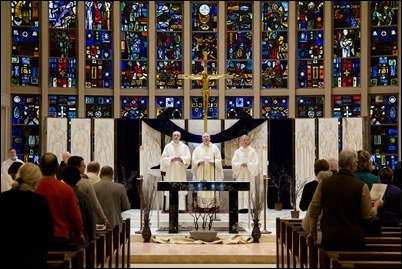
(134, 107)
(274, 107)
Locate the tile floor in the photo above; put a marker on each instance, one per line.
(151, 255)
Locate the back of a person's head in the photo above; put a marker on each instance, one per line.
(71, 175)
(29, 173)
(13, 169)
(323, 174)
(364, 161)
(75, 160)
(320, 165)
(333, 164)
(93, 167)
(346, 158)
(386, 175)
(48, 164)
(106, 171)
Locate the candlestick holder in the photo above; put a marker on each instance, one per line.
(139, 187)
(265, 231)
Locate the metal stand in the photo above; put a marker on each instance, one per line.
(139, 186)
(265, 231)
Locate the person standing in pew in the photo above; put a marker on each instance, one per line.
(245, 168)
(346, 205)
(365, 174)
(71, 175)
(310, 187)
(86, 186)
(392, 198)
(26, 228)
(63, 202)
(175, 159)
(306, 219)
(112, 197)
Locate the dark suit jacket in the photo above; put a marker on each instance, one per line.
(307, 194)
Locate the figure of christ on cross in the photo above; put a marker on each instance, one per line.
(205, 78)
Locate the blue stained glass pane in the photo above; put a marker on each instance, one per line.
(169, 107)
(346, 105)
(310, 107)
(61, 106)
(197, 109)
(239, 107)
(99, 106)
(62, 14)
(274, 107)
(134, 107)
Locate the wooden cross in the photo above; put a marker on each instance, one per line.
(205, 78)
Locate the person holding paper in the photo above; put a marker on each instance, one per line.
(245, 168)
(175, 159)
(345, 204)
(364, 173)
(207, 165)
(392, 198)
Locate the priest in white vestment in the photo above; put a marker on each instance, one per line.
(245, 168)
(174, 161)
(207, 165)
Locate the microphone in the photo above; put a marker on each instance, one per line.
(214, 163)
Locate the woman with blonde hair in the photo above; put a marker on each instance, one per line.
(27, 224)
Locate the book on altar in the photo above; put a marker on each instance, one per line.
(377, 191)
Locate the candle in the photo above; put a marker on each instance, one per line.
(141, 161)
(264, 160)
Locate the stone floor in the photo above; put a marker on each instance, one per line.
(254, 255)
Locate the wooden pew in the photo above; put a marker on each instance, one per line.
(100, 251)
(75, 258)
(382, 240)
(116, 246)
(122, 246)
(369, 264)
(90, 254)
(108, 247)
(57, 259)
(125, 243)
(336, 257)
(329, 259)
(281, 246)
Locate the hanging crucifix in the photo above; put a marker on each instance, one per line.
(205, 78)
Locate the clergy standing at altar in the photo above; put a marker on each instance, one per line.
(207, 165)
(245, 168)
(175, 159)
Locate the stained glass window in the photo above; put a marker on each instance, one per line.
(239, 107)
(310, 107)
(384, 43)
(25, 125)
(274, 45)
(62, 106)
(134, 44)
(62, 45)
(274, 107)
(169, 39)
(310, 47)
(98, 42)
(169, 107)
(197, 109)
(134, 107)
(204, 33)
(346, 106)
(384, 130)
(25, 43)
(99, 106)
(346, 44)
(239, 46)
